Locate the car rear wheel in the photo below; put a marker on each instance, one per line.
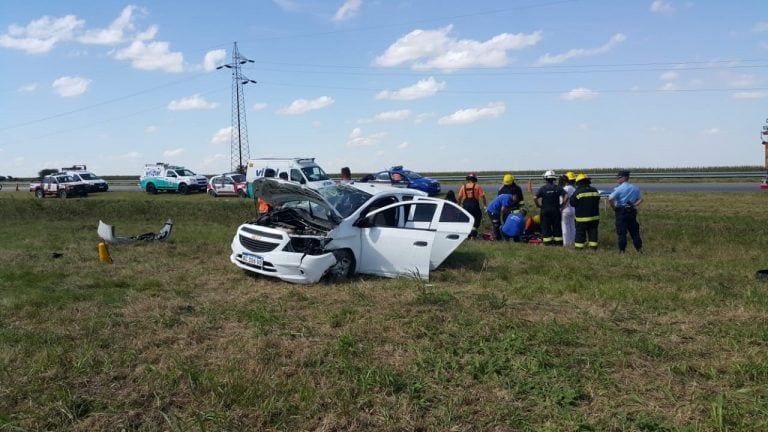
(242, 194)
(40, 193)
(151, 189)
(344, 267)
(212, 193)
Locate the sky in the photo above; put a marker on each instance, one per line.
(434, 85)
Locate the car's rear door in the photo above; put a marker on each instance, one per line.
(393, 245)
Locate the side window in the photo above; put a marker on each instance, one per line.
(419, 215)
(226, 180)
(452, 213)
(296, 176)
(383, 176)
(171, 174)
(388, 218)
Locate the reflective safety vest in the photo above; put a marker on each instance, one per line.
(586, 204)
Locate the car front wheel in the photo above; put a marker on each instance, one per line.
(183, 189)
(151, 189)
(212, 193)
(40, 193)
(344, 267)
(63, 193)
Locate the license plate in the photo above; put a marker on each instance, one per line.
(252, 259)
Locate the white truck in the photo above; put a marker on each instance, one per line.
(302, 170)
(81, 173)
(164, 177)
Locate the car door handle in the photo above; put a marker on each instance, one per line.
(420, 243)
(452, 237)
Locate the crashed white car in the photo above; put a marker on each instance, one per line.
(347, 229)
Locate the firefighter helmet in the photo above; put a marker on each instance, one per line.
(549, 174)
(570, 176)
(581, 177)
(508, 179)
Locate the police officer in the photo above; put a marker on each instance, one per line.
(586, 204)
(624, 201)
(550, 199)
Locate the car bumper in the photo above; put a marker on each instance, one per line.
(100, 187)
(288, 266)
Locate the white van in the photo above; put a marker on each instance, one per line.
(300, 170)
(81, 173)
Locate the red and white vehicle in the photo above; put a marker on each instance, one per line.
(59, 185)
(229, 184)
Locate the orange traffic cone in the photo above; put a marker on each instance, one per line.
(104, 255)
(17, 187)
(530, 185)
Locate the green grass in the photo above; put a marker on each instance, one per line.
(503, 337)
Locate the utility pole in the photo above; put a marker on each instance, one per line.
(238, 138)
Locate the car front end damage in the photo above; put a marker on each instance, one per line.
(286, 243)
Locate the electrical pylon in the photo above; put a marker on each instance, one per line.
(240, 151)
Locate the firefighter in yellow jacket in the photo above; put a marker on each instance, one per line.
(586, 203)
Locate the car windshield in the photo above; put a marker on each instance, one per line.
(412, 175)
(88, 176)
(238, 178)
(315, 173)
(184, 172)
(345, 199)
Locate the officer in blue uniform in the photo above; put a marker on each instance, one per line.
(624, 201)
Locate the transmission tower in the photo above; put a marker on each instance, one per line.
(238, 138)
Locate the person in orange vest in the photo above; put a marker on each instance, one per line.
(264, 207)
(469, 198)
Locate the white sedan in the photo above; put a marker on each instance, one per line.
(347, 229)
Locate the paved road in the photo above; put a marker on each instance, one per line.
(645, 187)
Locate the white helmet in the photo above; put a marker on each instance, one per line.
(549, 174)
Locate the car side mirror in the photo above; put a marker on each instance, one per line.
(363, 223)
(303, 181)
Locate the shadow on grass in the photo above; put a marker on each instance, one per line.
(464, 260)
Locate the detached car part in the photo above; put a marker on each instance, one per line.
(107, 233)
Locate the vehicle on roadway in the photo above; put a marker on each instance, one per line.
(59, 185)
(171, 178)
(81, 173)
(399, 177)
(341, 230)
(229, 184)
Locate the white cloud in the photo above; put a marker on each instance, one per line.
(67, 86)
(301, 106)
(115, 33)
(147, 34)
(661, 6)
(669, 76)
(358, 139)
(471, 115)
(28, 87)
(287, 5)
(40, 36)
(194, 102)
(403, 145)
(259, 106)
(422, 89)
(743, 81)
(151, 56)
(711, 131)
(150, 129)
(548, 59)
(389, 116)
(669, 87)
(750, 95)
(421, 118)
(348, 10)
(222, 135)
(316, 124)
(760, 27)
(213, 59)
(434, 49)
(174, 152)
(215, 160)
(579, 94)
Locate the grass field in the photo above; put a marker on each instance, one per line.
(504, 337)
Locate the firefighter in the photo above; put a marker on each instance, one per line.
(510, 187)
(550, 198)
(586, 204)
(469, 198)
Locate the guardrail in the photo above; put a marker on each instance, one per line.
(24, 186)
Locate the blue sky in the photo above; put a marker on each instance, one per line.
(433, 85)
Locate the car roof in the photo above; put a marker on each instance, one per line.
(378, 188)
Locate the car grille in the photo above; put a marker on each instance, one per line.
(257, 245)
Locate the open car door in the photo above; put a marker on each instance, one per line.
(394, 242)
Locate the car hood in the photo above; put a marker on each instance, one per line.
(278, 192)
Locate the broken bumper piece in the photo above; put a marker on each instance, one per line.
(107, 233)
